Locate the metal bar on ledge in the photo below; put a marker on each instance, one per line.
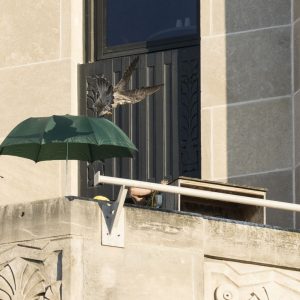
(196, 193)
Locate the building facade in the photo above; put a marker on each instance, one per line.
(244, 104)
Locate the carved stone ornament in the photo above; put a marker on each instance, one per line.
(189, 117)
(226, 292)
(227, 280)
(91, 94)
(27, 278)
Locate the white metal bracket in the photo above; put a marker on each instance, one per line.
(113, 221)
(97, 179)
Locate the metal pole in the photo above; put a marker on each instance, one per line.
(197, 193)
(67, 163)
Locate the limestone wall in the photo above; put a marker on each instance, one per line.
(248, 104)
(166, 255)
(296, 98)
(249, 97)
(40, 47)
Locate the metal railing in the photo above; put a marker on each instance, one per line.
(113, 213)
(196, 193)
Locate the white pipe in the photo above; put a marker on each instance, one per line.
(197, 193)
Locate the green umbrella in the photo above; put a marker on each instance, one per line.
(67, 137)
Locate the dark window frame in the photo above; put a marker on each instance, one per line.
(175, 60)
(97, 9)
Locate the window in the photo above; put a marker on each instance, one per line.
(165, 127)
(144, 25)
(133, 21)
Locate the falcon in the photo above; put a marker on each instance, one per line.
(107, 97)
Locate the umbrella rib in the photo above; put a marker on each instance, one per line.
(93, 131)
(43, 132)
(91, 153)
(96, 139)
(38, 153)
(41, 141)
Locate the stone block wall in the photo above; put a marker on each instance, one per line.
(249, 107)
(53, 249)
(40, 46)
(249, 99)
(296, 99)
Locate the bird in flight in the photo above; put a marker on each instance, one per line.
(106, 97)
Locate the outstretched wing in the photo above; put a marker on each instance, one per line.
(134, 96)
(126, 76)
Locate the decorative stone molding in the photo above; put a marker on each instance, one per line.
(91, 93)
(189, 116)
(226, 292)
(227, 280)
(30, 276)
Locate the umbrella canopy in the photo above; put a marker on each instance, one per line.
(67, 137)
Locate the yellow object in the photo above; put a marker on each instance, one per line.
(99, 197)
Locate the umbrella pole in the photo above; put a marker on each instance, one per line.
(66, 184)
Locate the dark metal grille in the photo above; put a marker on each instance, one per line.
(165, 127)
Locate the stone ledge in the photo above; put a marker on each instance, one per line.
(49, 218)
(184, 232)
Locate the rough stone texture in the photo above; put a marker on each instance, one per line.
(213, 71)
(142, 271)
(205, 18)
(222, 17)
(279, 187)
(296, 56)
(29, 35)
(24, 279)
(41, 46)
(252, 138)
(206, 141)
(297, 192)
(246, 56)
(166, 255)
(49, 218)
(33, 181)
(254, 282)
(66, 30)
(171, 230)
(263, 245)
(32, 91)
(246, 66)
(296, 9)
(35, 90)
(241, 15)
(297, 127)
(50, 267)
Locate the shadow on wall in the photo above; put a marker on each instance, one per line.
(258, 112)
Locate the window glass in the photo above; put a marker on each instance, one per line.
(131, 21)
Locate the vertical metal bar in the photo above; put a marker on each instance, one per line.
(151, 122)
(168, 108)
(159, 119)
